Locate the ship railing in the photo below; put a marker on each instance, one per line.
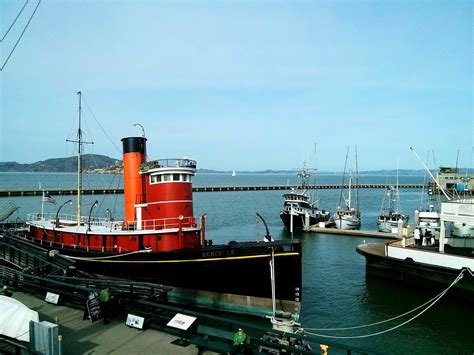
(68, 219)
(157, 224)
(458, 208)
(151, 224)
(166, 223)
(168, 163)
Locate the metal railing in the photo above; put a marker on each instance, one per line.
(168, 163)
(114, 226)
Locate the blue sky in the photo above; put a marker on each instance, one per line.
(245, 85)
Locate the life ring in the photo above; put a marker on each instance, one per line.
(38, 216)
(192, 221)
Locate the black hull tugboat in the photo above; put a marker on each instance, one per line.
(160, 241)
(299, 211)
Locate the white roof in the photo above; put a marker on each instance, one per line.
(15, 319)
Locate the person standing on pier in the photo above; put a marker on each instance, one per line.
(238, 347)
(104, 298)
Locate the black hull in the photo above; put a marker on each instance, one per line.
(419, 274)
(241, 269)
(298, 221)
(235, 275)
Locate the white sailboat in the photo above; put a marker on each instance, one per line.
(233, 172)
(347, 217)
(390, 213)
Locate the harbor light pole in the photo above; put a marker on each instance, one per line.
(59, 209)
(109, 214)
(89, 217)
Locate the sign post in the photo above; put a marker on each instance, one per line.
(93, 311)
(182, 322)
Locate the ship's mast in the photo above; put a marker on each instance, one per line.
(79, 155)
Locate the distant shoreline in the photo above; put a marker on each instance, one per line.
(101, 164)
(218, 172)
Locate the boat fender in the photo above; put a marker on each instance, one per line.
(125, 226)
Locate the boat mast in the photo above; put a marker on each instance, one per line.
(79, 174)
(397, 194)
(79, 154)
(350, 187)
(357, 180)
(343, 178)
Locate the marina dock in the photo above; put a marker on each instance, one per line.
(101, 191)
(353, 233)
(85, 337)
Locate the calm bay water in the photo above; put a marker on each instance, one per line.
(336, 290)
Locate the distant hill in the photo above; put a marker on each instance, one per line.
(100, 163)
(295, 171)
(61, 165)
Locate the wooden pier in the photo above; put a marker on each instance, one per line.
(353, 233)
(102, 191)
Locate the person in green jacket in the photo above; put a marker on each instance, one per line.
(239, 342)
(104, 298)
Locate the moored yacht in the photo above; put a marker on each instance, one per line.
(437, 265)
(299, 210)
(427, 222)
(347, 215)
(389, 214)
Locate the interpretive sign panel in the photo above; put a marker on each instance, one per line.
(181, 321)
(52, 298)
(135, 321)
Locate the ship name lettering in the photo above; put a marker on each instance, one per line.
(212, 254)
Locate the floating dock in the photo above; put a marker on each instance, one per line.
(102, 191)
(353, 233)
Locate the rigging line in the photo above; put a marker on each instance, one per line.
(16, 18)
(386, 320)
(341, 195)
(21, 35)
(459, 277)
(103, 130)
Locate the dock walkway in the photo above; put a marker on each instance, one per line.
(353, 233)
(84, 337)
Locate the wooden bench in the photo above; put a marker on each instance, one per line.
(214, 339)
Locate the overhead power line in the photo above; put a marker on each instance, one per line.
(16, 18)
(21, 35)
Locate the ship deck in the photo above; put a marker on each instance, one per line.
(376, 249)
